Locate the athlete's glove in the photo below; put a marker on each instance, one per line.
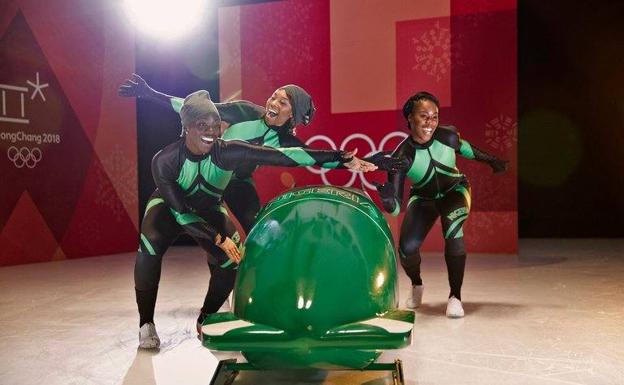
(387, 195)
(384, 161)
(136, 87)
(499, 166)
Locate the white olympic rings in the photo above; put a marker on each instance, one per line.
(354, 174)
(24, 156)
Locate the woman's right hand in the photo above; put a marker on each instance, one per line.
(229, 248)
(357, 164)
(135, 87)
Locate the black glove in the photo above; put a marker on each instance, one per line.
(386, 193)
(385, 190)
(498, 166)
(136, 87)
(384, 161)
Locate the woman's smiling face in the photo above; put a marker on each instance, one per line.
(278, 109)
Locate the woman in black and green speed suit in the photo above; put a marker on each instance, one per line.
(273, 126)
(191, 175)
(438, 189)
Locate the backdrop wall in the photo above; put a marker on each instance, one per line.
(67, 142)
(361, 60)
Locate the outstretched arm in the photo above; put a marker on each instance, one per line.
(236, 152)
(471, 152)
(231, 112)
(382, 160)
(239, 111)
(138, 88)
(388, 162)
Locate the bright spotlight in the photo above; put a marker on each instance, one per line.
(166, 19)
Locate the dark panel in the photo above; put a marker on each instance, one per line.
(571, 108)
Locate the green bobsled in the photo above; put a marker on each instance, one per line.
(317, 287)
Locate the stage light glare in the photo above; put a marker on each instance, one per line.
(166, 19)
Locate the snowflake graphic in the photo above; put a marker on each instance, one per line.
(501, 132)
(433, 52)
(120, 169)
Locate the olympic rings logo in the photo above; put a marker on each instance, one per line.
(24, 156)
(354, 174)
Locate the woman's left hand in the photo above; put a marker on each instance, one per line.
(357, 164)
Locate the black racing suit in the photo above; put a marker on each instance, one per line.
(241, 195)
(246, 123)
(189, 198)
(438, 190)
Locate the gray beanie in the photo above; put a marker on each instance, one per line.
(196, 106)
(301, 102)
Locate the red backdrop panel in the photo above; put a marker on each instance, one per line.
(57, 198)
(467, 57)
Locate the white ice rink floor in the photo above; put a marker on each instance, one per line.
(553, 315)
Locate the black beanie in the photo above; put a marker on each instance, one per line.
(196, 106)
(301, 102)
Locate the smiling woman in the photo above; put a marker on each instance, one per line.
(201, 123)
(201, 134)
(439, 189)
(279, 110)
(274, 126)
(191, 175)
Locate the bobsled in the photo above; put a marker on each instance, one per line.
(317, 287)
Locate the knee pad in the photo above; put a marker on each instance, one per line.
(409, 248)
(410, 261)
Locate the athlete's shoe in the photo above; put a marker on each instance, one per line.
(415, 299)
(148, 338)
(454, 308)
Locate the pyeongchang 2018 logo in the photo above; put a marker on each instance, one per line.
(24, 150)
(354, 174)
(24, 156)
